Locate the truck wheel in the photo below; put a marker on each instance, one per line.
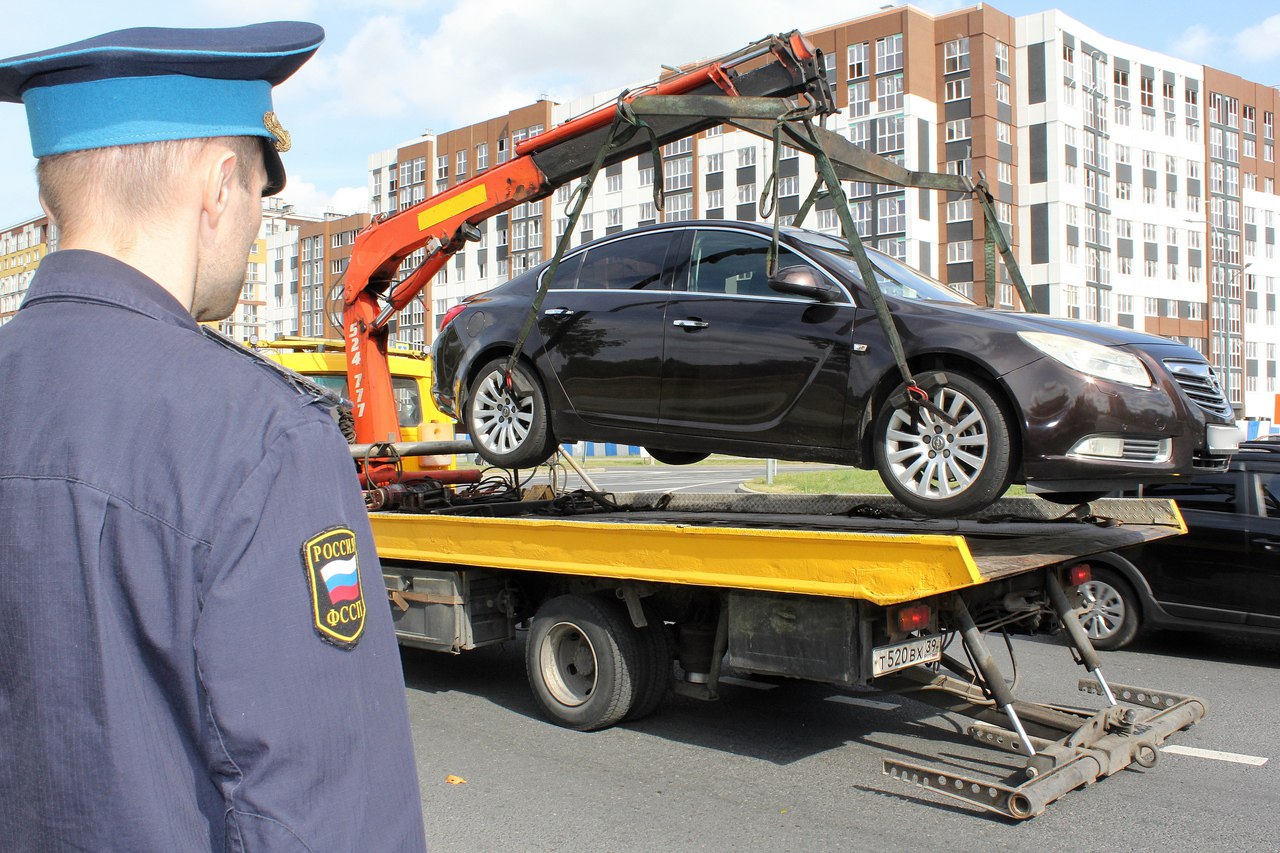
(942, 469)
(655, 670)
(583, 659)
(1112, 614)
(509, 423)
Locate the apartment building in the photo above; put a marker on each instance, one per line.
(22, 246)
(324, 250)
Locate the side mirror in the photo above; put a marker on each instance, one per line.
(804, 281)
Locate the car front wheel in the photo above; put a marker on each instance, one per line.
(948, 466)
(508, 420)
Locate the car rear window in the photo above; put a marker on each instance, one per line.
(635, 263)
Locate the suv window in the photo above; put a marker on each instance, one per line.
(1211, 492)
(635, 263)
(1271, 494)
(735, 264)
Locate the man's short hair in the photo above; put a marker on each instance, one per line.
(133, 181)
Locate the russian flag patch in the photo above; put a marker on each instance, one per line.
(332, 562)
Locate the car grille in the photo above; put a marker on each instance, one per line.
(1199, 383)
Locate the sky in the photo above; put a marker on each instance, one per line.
(390, 70)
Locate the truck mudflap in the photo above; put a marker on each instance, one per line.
(1065, 748)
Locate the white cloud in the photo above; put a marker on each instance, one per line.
(307, 198)
(1261, 42)
(1197, 43)
(482, 59)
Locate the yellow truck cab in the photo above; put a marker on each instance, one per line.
(323, 360)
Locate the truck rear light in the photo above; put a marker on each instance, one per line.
(913, 618)
(1078, 574)
(451, 314)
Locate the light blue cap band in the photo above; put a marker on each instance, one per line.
(129, 110)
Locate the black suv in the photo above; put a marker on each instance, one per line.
(1223, 574)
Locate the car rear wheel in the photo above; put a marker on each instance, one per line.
(509, 422)
(676, 457)
(1111, 615)
(939, 468)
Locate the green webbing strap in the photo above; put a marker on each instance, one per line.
(814, 195)
(769, 207)
(620, 132)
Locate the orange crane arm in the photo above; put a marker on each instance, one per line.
(778, 66)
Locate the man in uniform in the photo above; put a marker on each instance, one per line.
(197, 652)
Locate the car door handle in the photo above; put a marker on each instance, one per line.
(1269, 544)
(690, 324)
(558, 312)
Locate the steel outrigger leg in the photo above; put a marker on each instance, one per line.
(1072, 747)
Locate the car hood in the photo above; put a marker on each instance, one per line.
(1017, 321)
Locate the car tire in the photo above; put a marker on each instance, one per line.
(676, 457)
(655, 670)
(974, 456)
(509, 425)
(583, 658)
(1111, 614)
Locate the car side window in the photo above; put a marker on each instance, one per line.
(636, 263)
(734, 264)
(567, 273)
(1214, 493)
(1270, 494)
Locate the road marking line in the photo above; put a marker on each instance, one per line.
(864, 703)
(1235, 757)
(742, 682)
(691, 486)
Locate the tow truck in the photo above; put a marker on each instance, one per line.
(627, 596)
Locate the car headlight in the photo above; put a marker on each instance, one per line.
(1091, 359)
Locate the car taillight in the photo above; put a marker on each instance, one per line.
(451, 314)
(913, 618)
(1078, 574)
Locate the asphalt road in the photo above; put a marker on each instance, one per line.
(793, 766)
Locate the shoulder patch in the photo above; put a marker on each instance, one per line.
(332, 564)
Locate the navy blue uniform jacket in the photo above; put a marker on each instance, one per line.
(163, 684)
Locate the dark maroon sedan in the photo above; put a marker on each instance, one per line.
(674, 337)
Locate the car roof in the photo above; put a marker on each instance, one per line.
(788, 233)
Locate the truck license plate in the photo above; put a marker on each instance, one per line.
(885, 659)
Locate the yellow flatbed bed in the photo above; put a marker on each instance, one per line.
(839, 546)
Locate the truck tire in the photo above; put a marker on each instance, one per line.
(655, 670)
(1112, 614)
(583, 661)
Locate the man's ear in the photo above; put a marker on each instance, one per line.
(44, 205)
(220, 175)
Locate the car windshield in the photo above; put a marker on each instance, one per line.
(895, 278)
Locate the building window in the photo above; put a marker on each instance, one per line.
(858, 60)
(613, 217)
(958, 89)
(747, 156)
(678, 174)
(482, 156)
(1004, 133)
(1002, 92)
(504, 154)
(1148, 92)
(715, 162)
(958, 129)
(746, 193)
(715, 199)
(955, 56)
(646, 176)
(860, 98)
(1002, 58)
(1004, 173)
(960, 210)
(889, 93)
(959, 253)
(889, 54)
(890, 133)
(891, 214)
(613, 183)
